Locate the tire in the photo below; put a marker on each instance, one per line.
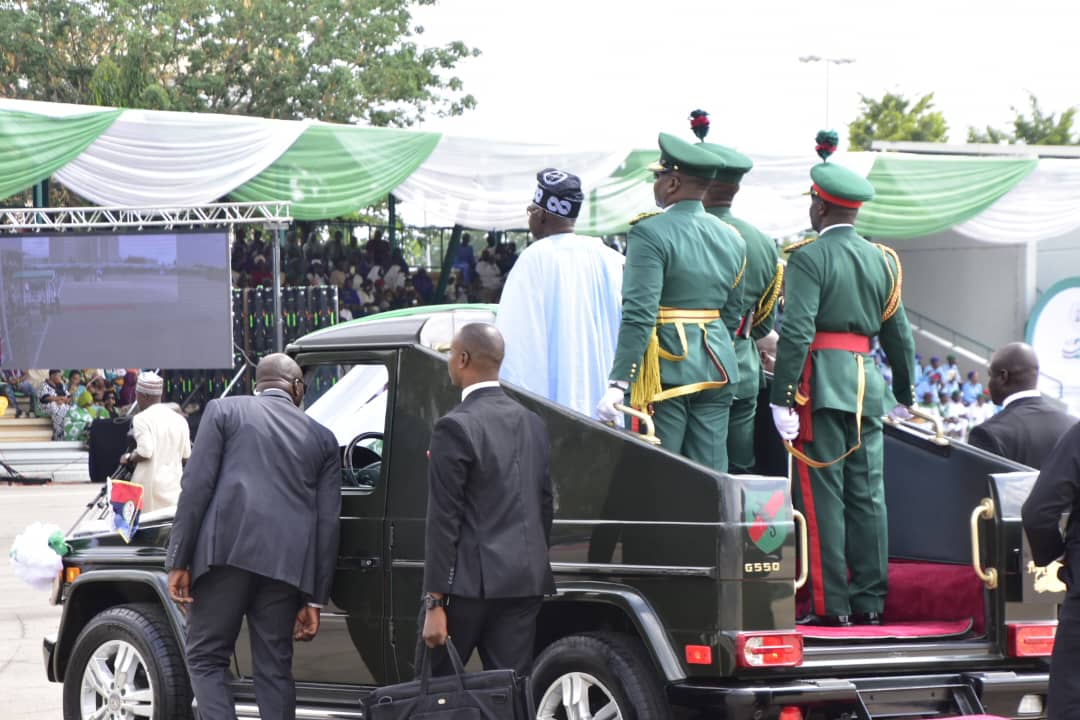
(609, 672)
(156, 683)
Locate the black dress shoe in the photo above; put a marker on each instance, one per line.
(825, 620)
(867, 618)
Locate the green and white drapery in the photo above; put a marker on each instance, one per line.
(33, 147)
(166, 159)
(145, 158)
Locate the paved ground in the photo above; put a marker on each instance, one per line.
(25, 614)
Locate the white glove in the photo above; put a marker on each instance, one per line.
(786, 421)
(900, 412)
(606, 407)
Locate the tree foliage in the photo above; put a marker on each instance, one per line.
(894, 117)
(336, 60)
(1040, 128)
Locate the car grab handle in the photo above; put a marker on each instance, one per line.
(983, 511)
(937, 436)
(804, 544)
(646, 420)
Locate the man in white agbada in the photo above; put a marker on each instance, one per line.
(162, 445)
(562, 302)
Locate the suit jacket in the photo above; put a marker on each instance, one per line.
(490, 501)
(1025, 431)
(841, 283)
(261, 492)
(1056, 491)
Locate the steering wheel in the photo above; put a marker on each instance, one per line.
(368, 472)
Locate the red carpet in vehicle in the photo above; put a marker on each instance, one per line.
(921, 591)
(932, 630)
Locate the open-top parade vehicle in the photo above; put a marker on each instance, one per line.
(676, 585)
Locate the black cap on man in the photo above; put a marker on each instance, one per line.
(558, 192)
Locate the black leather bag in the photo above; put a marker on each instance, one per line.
(488, 695)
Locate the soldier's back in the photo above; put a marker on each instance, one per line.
(855, 278)
(701, 256)
(761, 258)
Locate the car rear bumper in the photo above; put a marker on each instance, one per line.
(998, 693)
(48, 649)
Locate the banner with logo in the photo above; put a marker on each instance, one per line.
(1053, 329)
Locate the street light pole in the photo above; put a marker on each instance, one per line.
(828, 61)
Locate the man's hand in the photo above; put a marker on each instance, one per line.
(180, 588)
(435, 632)
(606, 407)
(307, 623)
(900, 412)
(786, 421)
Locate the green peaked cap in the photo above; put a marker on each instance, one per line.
(677, 154)
(730, 164)
(840, 186)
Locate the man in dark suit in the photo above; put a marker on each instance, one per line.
(255, 536)
(489, 516)
(1055, 492)
(1029, 425)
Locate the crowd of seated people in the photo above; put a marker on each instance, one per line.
(72, 399)
(372, 277)
(945, 391)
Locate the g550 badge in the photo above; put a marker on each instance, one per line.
(766, 515)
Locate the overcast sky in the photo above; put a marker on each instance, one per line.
(613, 73)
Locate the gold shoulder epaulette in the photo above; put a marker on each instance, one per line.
(644, 215)
(896, 279)
(767, 301)
(742, 270)
(739, 277)
(800, 244)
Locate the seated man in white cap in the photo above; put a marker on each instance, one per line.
(162, 445)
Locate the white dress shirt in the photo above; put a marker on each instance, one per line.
(478, 386)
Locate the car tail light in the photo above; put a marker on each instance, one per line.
(698, 655)
(754, 650)
(1031, 639)
(70, 573)
(791, 713)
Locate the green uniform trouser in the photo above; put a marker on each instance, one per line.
(740, 438)
(844, 506)
(695, 426)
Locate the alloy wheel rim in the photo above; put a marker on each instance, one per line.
(116, 684)
(578, 696)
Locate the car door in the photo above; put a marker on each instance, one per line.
(354, 399)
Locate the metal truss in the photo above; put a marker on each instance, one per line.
(274, 215)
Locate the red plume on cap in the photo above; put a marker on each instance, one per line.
(699, 123)
(827, 140)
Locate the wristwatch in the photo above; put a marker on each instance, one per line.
(431, 602)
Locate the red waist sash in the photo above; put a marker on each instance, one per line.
(851, 342)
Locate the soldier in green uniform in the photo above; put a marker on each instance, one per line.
(682, 289)
(761, 284)
(828, 397)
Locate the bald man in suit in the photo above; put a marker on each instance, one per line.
(1029, 425)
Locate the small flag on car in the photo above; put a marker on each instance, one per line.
(127, 501)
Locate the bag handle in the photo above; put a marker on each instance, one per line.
(455, 661)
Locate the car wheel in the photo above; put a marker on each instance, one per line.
(601, 676)
(126, 664)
